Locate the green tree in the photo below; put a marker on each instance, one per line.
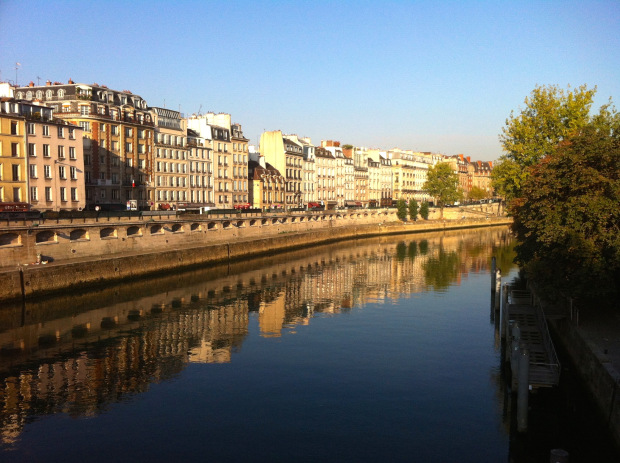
(401, 209)
(476, 193)
(413, 209)
(424, 210)
(442, 183)
(568, 220)
(551, 114)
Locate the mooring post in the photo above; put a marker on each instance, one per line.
(514, 355)
(523, 389)
(493, 264)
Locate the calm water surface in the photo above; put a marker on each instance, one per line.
(376, 350)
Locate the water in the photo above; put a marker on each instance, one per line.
(382, 349)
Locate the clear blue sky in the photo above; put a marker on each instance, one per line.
(424, 75)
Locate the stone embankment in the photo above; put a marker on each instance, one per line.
(43, 257)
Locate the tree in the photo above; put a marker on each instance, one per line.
(424, 210)
(413, 209)
(401, 209)
(550, 115)
(442, 183)
(476, 193)
(568, 220)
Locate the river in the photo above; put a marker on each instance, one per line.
(369, 350)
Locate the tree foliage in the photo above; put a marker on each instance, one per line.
(413, 209)
(424, 210)
(442, 183)
(568, 219)
(401, 209)
(551, 115)
(476, 193)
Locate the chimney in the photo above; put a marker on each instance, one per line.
(70, 81)
(468, 158)
(31, 84)
(48, 83)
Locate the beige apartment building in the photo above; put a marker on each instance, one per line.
(308, 186)
(200, 172)
(171, 182)
(240, 158)
(55, 161)
(326, 177)
(287, 157)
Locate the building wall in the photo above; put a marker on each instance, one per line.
(13, 166)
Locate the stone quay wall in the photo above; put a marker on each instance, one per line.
(42, 257)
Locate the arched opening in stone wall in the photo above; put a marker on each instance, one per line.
(10, 239)
(46, 236)
(78, 235)
(134, 231)
(107, 233)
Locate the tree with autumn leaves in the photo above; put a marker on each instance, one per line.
(561, 175)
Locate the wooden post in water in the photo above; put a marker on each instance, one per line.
(523, 389)
(493, 265)
(504, 316)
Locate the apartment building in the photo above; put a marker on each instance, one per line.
(117, 138)
(326, 177)
(13, 165)
(171, 163)
(240, 167)
(267, 189)
(55, 161)
(201, 181)
(308, 186)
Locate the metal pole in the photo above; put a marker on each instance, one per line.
(523, 389)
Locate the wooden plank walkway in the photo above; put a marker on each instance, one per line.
(544, 370)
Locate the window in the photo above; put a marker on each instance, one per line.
(17, 194)
(14, 149)
(61, 132)
(63, 194)
(32, 149)
(46, 150)
(128, 147)
(116, 194)
(61, 93)
(61, 172)
(103, 125)
(128, 132)
(114, 146)
(74, 194)
(84, 110)
(114, 129)
(47, 170)
(73, 173)
(85, 125)
(61, 152)
(48, 193)
(71, 152)
(14, 128)
(30, 128)
(34, 194)
(15, 172)
(72, 134)
(46, 130)
(33, 170)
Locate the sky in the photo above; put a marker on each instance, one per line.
(440, 76)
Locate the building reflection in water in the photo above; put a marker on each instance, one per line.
(79, 353)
